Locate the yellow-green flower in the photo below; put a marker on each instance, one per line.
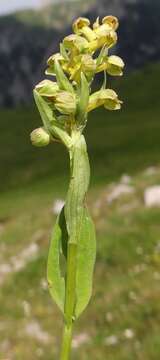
(76, 43)
(112, 21)
(51, 61)
(82, 27)
(106, 97)
(111, 100)
(104, 37)
(114, 65)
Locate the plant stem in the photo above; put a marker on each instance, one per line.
(66, 342)
(69, 300)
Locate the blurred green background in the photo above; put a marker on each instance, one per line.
(122, 321)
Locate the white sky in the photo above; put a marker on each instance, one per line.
(12, 5)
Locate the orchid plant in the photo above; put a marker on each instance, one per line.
(64, 105)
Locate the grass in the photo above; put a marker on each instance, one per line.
(126, 292)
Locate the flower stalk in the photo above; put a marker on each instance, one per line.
(64, 106)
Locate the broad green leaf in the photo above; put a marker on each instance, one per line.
(62, 79)
(56, 281)
(83, 99)
(86, 254)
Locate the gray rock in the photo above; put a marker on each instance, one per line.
(152, 196)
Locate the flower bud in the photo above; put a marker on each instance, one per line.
(40, 137)
(65, 102)
(115, 65)
(81, 26)
(88, 63)
(112, 21)
(47, 88)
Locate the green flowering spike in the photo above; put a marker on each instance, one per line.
(64, 105)
(40, 137)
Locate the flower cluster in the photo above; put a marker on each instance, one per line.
(74, 67)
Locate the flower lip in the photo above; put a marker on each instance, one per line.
(112, 21)
(54, 57)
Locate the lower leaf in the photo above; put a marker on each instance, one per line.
(56, 281)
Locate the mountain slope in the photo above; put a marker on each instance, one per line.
(26, 44)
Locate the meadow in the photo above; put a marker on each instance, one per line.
(123, 319)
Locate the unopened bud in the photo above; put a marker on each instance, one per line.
(40, 137)
(47, 88)
(65, 102)
(88, 63)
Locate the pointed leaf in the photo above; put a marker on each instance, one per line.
(62, 79)
(101, 55)
(83, 99)
(64, 52)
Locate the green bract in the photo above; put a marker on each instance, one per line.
(64, 105)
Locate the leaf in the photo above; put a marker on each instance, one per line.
(56, 281)
(83, 99)
(86, 256)
(64, 52)
(101, 56)
(62, 79)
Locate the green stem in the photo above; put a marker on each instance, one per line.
(66, 342)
